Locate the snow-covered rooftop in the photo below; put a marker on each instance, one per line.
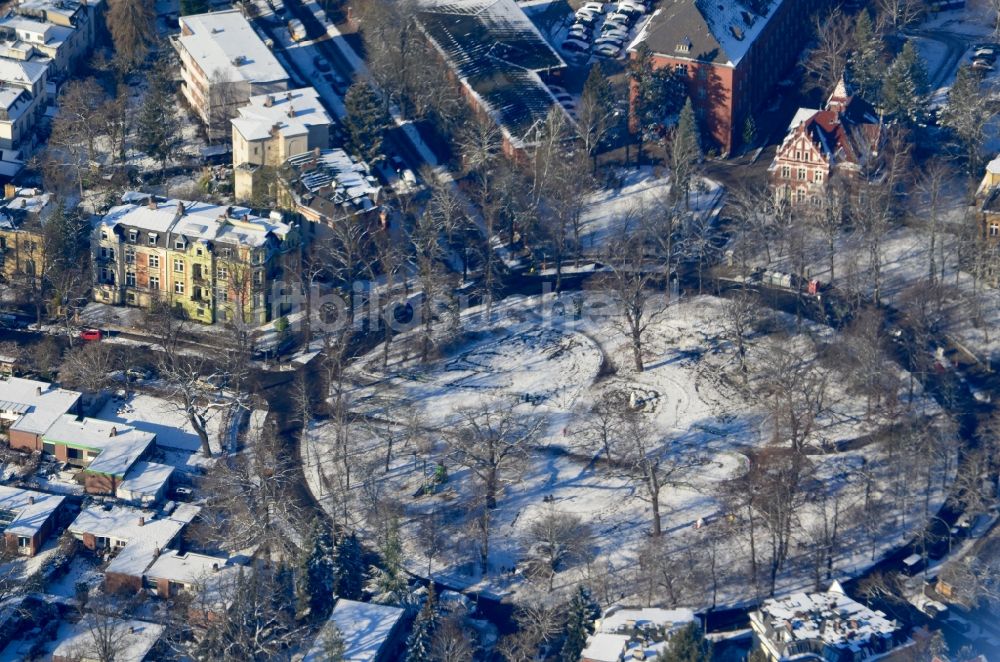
(706, 30)
(604, 647)
(198, 221)
(226, 43)
(365, 628)
(333, 177)
(133, 640)
(497, 52)
(34, 406)
(993, 167)
(290, 113)
(30, 509)
(830, 617)
(20, 73)
(145, 480)
(119, 446)
(188, 568)
(143, 535)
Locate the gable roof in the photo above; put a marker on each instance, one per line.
(847, 131)
(365, 627)
(119, 446)
(715, 31)
(37, 405)
(30, 509)
(498, 53)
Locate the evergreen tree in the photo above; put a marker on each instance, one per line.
(658, 94)
(966, 115)
(366, 120)
(418, 646)
(387, 583)
(317, 571)
(157, 126)
(904, 91)
(579, 624)
(189, 7)
(333, 643)
(865, 61)
(349, 569)
(749, 131)
(685, 153)
(687, 645)
(596, 112)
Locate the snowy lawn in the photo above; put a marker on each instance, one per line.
(553, 370)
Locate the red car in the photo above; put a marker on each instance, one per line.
(91, 334)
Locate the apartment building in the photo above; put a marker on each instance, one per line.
(224, 63)
(845, 138)
(24, 98)
(732, 53)
(213, 263)
(271, 128)
(23, 212)
(60, 31)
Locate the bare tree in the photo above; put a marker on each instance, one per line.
(652, 462)
(631, 281)
(493, 444)
(824, 63)
(556, 539)
(132, 24)
(452, 641)
(794, 391)
(739, 315)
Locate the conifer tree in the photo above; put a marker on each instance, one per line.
(596, 111)
(157, 126)
(317, 571)
(349, 569)
(685, 153)
(904, 91)
(579, 624)
(418, 646)
(388, 583)
(865, 61)
(687, 645)
(658, 94)
(966, 115)
(366, 120)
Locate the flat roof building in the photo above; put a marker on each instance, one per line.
(223, 63)
(28, 408)
(371, 632)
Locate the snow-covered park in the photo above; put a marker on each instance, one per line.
(710, 431)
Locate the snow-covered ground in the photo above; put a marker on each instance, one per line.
(543, 366)
(640, 193)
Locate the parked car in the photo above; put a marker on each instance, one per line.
(582, 34)
(982, 65)
(608, 50)
(587, 19)
(614, 41)
(138, 374)
(592, 6)
(575, 45)
(632, 9)
(614, 34)
(91, 335)
(618, 23)
(985, 53)
(626, 19)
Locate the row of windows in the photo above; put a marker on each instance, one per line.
(801, 174)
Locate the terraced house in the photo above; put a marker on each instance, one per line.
(213, 263)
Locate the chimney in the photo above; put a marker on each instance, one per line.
(142, 520)
(38, 390)
(9, 191)
(31, 500)
(180, 209)
(317, 152)
(152, 202)
(288, 96)
(291, 111)
(215, 567)
(268, 101)
(229, 212)
(114, 431)
(131, 629)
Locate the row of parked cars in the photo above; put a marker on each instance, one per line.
(604, 33)
(984, 56)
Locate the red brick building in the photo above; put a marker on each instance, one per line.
(733, 51)
(28, 518)
(842, 139)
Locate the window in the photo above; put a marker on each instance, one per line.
(100, 542)
(108, 276)
(104, 235)
(129, 256)
(994, 229)
(154, 282)
(179, 243)
(154, 261)
(222, 273)
(199, 252)
(798, 155)
(152, 239)
(179, 287)
(133, 235)
(130, 298)
(258, 277)
(129, 279)
(108, 253)
(48, 448)
(222, 294)
(806, 154)
(73, 453)
(23, 542)
(800, 195)
(817, 177)
(786, 172)
(802, 174)
(226, 252)
(178, 266)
